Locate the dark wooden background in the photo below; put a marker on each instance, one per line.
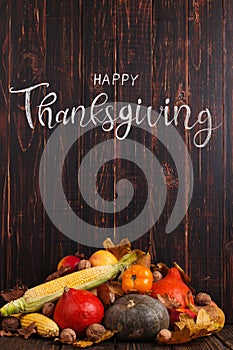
(182, 50)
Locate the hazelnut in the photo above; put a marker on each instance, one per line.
(202, 299)
(84, 264)
(68, 335)
(164, 335)
(10, 324)
(48, 309)
(157, 276)
(95, 331)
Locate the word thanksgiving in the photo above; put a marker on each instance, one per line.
(125, 117)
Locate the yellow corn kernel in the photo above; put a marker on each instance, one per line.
(45, 326)
(82, 279)
(34, 298)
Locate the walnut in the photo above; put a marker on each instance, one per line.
(84, 264)
(164, 335)
(48, 309)
(157, 276)
(95, 331)
(202, 299)
(68, 335)
(10, 324)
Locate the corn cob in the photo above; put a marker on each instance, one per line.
(34, 298)
(44, 325)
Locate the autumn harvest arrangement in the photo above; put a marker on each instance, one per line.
(116, 292)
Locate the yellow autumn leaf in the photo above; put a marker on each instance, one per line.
(188, 329)
(84, 343)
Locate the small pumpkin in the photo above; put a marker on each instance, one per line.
(137, 278)
(136, 317)
(173, 287)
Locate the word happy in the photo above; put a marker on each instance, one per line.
(116, 77)
(125, 118)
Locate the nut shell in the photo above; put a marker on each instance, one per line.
(95, 331)
(68, 336)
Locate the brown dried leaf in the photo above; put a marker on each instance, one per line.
(58, 273)
(161, 267)
(109, 292)
(143, 258)
(105, 294)
(83, 343)
(26, 332)
(119, 250)
(6, 334)
(15, 293)
(116, 287)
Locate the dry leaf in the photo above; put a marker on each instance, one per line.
(83, 343)
(58, 273)
(184, 276)
(109, 292)
(143, 258)
(6, 334)
(15, 293)
(187, 329)
(105, 294)
(26, 332)
(119, 250)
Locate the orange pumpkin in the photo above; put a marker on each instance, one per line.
(173, 287)
(137, 278)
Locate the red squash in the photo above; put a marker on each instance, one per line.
(173, 286)
(78, 309)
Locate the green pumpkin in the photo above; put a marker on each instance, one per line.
(136, 317)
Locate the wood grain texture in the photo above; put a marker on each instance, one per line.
(182, 51)
(169, 81)
(4, 147)
(134, 56)
(220, 341)
(204, 80)
(227, 156)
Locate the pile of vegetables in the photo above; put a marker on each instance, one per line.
(115, 292)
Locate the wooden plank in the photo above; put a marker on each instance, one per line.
(83, 48)
(140, 346)
(226, 336)
(205, 83)
(228, 164)
(134, 56)
(25, 219)
(19, 343)
(98, 60)
(4, 139)
(169, 81)
(207, 343)
(63, 52)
